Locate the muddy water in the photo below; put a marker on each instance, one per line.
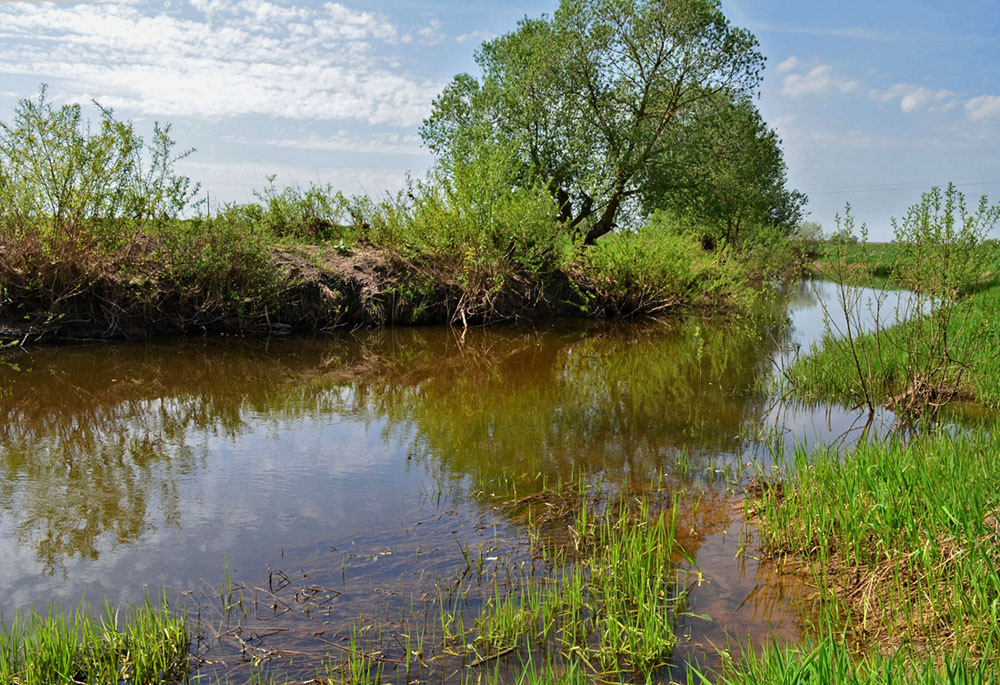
(349, 475)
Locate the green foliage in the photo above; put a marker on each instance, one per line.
(595, 99)
(643, 271)
(858, 263)
(63, 180)
(942, 245)
(221, 264)
(314, 214)
(91, 228)
(734, 175)
(844, 236)
(472, 213)
(829, 660)
(811, 231)
(91, 216)
(616, 607)
(471, 235)
(888, 358)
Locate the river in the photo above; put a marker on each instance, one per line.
(349, 474)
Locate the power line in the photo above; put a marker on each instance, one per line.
(882, 189)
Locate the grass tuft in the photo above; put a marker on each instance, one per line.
(147, 644)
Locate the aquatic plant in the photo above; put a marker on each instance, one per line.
(614, 601)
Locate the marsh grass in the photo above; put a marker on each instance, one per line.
(901, 537)
(829, 660)
(142, 644)
(612, 599)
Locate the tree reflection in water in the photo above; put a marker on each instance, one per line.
(97, 444)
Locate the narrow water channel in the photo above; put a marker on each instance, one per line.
(349, 475)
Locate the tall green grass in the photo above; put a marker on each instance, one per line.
(614, 604)
(829, 660)
(143, 644)
(887, 357)
(902, 537)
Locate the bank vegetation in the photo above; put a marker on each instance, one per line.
(608, 161)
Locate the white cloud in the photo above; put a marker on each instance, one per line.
(431, 34)
(345, 141)
(818, 80)
(230, 57)
(478, 36)
(790, 64)
(983, 107)
(913, 98)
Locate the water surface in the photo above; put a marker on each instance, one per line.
(354, 467)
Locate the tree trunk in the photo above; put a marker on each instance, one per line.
(565, 208)
(605, 223)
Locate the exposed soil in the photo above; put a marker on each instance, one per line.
(317, 288)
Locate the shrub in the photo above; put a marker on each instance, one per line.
(647, 270)
(314, 214)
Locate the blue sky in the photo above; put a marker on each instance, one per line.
(875, 101)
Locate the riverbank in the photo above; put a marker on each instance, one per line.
(898, 534)
(911, 360)
(900, 538)
(227, 275)
(101, 239)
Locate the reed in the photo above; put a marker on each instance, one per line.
(613, 598)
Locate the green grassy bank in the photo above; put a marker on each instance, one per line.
(901, 540)
(862, 263)
(234, 273)
(913, 324)
(926, 359)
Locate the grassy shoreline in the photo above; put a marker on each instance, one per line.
(242, 284)
(900, 538)
(913, 361)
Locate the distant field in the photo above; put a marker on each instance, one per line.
(861, 263)
(873, 264)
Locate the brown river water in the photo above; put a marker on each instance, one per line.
(341, 482)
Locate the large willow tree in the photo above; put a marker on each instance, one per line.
(598, 102)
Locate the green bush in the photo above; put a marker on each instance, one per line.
(315, 214)
(63, 181)
(643, 271)
(223, 264)
(475, 211)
